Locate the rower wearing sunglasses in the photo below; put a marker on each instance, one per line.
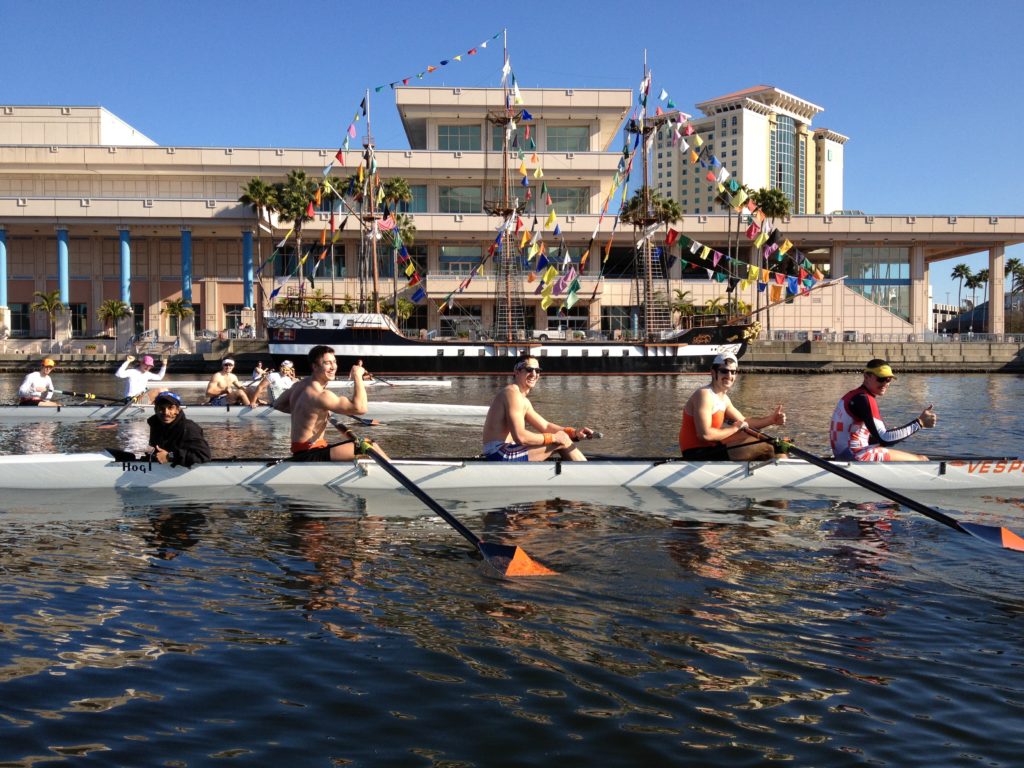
(858, 432)
(514, 431)
(713, 429)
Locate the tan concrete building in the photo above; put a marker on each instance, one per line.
(93, 209)
(763, 136)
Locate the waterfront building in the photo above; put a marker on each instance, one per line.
(764, 137)
(92, 208)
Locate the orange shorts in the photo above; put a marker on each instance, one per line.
(305, 445)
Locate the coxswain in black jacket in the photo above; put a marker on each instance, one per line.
(173, 439)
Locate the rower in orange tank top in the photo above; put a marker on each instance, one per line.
(713, 429)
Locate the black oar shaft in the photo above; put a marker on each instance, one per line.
(863, 482)
(88, 396)
(509, 560)
(408, 484)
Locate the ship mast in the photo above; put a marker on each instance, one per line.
(657, 319)
(509, 322)
(369, 216)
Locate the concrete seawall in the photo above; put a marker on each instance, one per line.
(924, 357)
(761, 356)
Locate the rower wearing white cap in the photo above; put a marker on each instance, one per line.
(224, 387)
(139, 378)
(713, 428)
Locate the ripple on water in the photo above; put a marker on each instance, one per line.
(703, 629)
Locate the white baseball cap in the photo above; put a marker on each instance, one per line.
(724, 358)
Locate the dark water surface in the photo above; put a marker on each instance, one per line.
(250, 629)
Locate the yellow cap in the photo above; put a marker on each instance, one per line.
(49, 361)
(880, 368)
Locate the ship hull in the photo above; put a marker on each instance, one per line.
(386, 351)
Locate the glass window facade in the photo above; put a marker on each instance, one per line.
(79, 319)
(782, 159)
(881, 275)
(568, 138)
(458, 138)
(458, 259)
(459, 200)
(21, 320)
(570, 199)
(494, 194)
(518, 140)
(139, 318)
(418, 204)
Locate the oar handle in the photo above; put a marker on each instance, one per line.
(575, 436)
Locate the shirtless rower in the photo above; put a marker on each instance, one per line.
(310, 404)
(224, 387)
(506, 437)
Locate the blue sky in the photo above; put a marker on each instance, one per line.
(928, 92)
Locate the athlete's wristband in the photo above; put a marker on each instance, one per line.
(571, 432)
(548, 438)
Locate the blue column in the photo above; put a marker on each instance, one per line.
(247, 268)
(3, 268)
(126, 266)
(62, 266)
(186, 265)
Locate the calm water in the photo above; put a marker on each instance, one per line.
(338, 630)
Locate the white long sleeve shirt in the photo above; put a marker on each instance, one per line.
(36, 385)
(138, 381)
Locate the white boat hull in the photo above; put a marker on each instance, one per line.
(218, 413)
(453, 477)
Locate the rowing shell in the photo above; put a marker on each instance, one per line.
(216, 413)
(173, 384)
(101, 471)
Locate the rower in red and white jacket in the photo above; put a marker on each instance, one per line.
(858, 433)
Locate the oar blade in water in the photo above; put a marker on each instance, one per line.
(997, 535)
(512, 561)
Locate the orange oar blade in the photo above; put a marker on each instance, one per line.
(1001, 537)
(509, 560)
(524, 565)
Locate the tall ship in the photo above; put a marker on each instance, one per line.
(530, 270)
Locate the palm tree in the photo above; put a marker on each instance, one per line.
(50, 303)
(660, 209)
(397, 191)
(963, 273)
(401, 310)
(983, 283)
(317, 301)
(774, 204)
(294, 198)
(110, 311)
(973, 283)
(682, 304)
(261, 197)
(714, 306)
(179, 309)
(1010, 271)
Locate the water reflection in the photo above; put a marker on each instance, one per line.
(683, 628)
